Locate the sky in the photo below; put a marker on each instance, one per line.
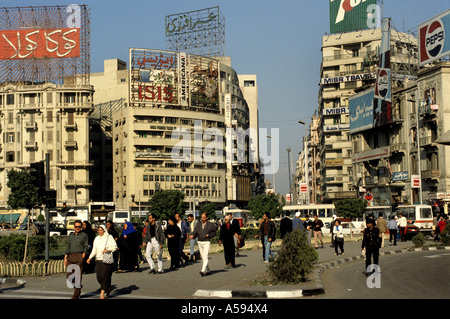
(279, 41)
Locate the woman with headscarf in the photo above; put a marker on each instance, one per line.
(127, 242)
(173, 235)
(227, 235)
(103, 243)
(87, 228)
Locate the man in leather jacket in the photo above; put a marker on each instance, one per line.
(267, 234)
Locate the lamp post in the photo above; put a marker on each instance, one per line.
(289, 168)
(273, 169)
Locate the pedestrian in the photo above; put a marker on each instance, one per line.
(173, 235)
(286, 225)
(308, 225)
(442, 223)
(371, 244)
(434, 227)
(392, 227)
(34, 229)
(317, 228)
(103, 244)
(402, 223)
(237, 226)
(192, 223)
(382, 226)
(127, 242)
(77, 248)
(227, 236)
(111, 229)
(153, 242)
(204, 231)
(139, 242)
(267, 235)
(87, 228)
(338, 233)
(333, 219)
(297, 223)
(184, 228)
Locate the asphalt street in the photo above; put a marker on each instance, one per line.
(183, 283)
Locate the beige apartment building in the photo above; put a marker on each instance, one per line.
(349, 65)
(146, 140)
(49, 119)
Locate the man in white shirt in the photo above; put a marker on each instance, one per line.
(402, 222)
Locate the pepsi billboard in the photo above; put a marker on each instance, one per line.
(434, 38)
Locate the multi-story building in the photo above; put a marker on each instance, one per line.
(146, 136)
(349, 65)
(52, 119)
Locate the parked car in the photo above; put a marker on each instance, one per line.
(251, 225)
(411, 231)
(5, 227)
(57, 229)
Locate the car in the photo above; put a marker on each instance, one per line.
(251, 225)
(5, 227)
(411, 231)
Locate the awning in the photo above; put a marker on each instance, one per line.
(9, 218)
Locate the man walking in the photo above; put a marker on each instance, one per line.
(297, 223)
(184, 236)
(371, 244)
(77, 248)
(154, 241)
(267, 233)
(204, 231)
(192, 223)
(402, 222)
(237, 227)
(308, 225)
(392, 226)
(382, 226)
(286, 225)
(317, 227)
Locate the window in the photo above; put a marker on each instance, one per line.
(249, 83)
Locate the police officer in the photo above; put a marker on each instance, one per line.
(371, 244)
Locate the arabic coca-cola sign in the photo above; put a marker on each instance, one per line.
(39, 43)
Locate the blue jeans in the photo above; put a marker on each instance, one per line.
(192, 242)
(267, 245)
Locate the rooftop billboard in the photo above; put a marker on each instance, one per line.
(434, 38)
(353, 15)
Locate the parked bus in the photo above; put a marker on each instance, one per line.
(419, 215)
(325, 212)
(242, 215)
(119, 216)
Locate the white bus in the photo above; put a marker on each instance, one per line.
(376, 210)
(119, 216)
(325, 212)
(419, 215)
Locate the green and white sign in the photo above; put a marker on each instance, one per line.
(354, 15)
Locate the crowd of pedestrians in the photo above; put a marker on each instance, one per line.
(114, 252)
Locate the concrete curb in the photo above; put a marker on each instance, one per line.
(11, 281)
(310, 291)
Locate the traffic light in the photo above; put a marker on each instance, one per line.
(50, 198)
(38, 171)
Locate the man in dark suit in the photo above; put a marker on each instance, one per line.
(286, 225)
(235, 224)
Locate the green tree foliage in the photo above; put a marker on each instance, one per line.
(295, 260)
(12, 247)
(264, 203)
(165, 203)
(24, 193)
(209, 209)
(350, 208)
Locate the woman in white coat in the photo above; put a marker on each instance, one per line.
(103, 243)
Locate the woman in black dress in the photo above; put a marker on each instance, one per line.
(127, 242)
(227, 234)
(173, 235)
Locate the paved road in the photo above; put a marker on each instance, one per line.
(412, 275)
(178, 284)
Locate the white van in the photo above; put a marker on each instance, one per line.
(119, 216)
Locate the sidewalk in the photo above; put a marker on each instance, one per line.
(186, 282)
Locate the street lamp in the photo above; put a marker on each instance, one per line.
(289, 164)
(273, 169)
(303, 123)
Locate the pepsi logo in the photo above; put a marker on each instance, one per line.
(383, 83)
(434, 39)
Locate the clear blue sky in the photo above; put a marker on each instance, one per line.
(279, 41)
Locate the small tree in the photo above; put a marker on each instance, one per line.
(24, 194)
(264, 203)
(350, 208)
(166, 203)
(209, 209)
(295, 260)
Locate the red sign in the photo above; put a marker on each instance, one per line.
(155, 93)
(39, 43)
(303, 188)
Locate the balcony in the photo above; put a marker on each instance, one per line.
(31, 126)
(428, 141)
(31, 145)
(70, 126)
(75, 164)
(70, 144)
(77, 183)
(431, 174)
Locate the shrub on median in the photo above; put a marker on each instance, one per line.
(295, 259)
